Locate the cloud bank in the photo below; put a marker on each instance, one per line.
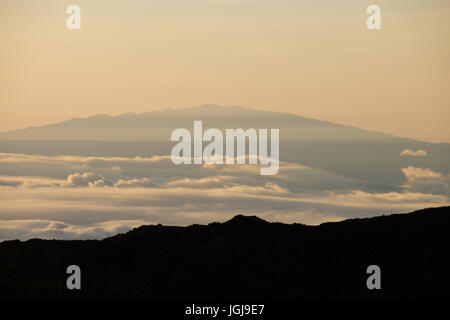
(70, 197)
(418, 153)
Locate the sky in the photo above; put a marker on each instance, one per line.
(312, 58)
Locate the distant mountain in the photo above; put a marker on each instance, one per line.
(245, 257)
(371, 157)
(158, 125)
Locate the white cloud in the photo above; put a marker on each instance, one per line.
(134, 183)
(426, 181)
(47, 229)
(414, 173)
(418, 153)
(85, 179)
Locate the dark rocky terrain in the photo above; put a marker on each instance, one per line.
(245, 257)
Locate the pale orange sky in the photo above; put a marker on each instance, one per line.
(312, 58)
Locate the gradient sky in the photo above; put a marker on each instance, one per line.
(312, 58)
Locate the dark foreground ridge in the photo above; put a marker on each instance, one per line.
(245, 257)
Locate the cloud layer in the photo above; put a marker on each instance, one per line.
(418, 153)
(70, 197)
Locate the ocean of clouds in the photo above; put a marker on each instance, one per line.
(72, 197)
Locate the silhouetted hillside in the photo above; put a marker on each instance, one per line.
(245, 257)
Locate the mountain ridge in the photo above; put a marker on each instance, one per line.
(244, 258)
(148, 125)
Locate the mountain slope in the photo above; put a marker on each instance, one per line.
(245, 257)
(158, 125)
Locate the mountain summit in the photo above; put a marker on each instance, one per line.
(158, 125)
